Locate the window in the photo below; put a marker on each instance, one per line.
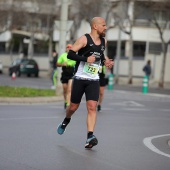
(41, 47)
(161, 15)
(112, 49)
(142, 11)
(2, 47)
(111, 46)
(155, 48)
(139, 49)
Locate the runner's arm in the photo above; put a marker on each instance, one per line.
(73, 56)
(60, 61)
(80, 43)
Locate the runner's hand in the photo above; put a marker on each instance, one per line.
(109, 63)
(91, 59)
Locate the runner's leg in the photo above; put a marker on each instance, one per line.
(55, 78)
(65, 91)
(69, 91)
(91, 116)
(101, 95)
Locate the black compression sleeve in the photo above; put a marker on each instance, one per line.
(73, 56)
(102, 59)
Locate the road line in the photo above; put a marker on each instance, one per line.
(148, 143)
(28, 118)
(128, 103)
(135, 109)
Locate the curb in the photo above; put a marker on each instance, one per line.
(31, 99)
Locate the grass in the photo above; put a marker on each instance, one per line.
(6, 91)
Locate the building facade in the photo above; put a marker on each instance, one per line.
(128, 22)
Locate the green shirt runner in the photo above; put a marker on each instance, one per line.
(63, 59)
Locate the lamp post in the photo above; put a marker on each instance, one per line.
(62, 39)
(118, 53)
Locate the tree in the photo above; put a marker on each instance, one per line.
(86, 10)
(124, 16)
(31, 17)
(160, 17)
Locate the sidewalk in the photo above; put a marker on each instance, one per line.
(31, 100)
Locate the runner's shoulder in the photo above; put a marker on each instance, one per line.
(82, 40)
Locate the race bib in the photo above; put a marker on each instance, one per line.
(91, 69)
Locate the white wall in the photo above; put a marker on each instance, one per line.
(156, 64)
(145, 35)
(139, 34)
(6, 36)
(137, 68)
(84, 28)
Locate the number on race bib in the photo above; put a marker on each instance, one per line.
(91, 69)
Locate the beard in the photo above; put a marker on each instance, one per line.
(103, 34)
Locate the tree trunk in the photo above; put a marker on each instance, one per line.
(31, 46)
(11, 48)
(161, 81)
(130, 81)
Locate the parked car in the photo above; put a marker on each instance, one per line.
(24, 66)
(1, 67)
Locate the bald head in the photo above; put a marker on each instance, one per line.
(96, 20)
(98, 26)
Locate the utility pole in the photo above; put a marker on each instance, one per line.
(62, 40)
(63, 26)
(118, 53)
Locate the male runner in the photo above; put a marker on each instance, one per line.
(67, 74)
(87, 51)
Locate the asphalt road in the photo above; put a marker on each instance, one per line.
(23, 81)
(133, 132)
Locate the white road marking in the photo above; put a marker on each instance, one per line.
(28, 118)
(158, 95)
(148, 143)
(136, 109)
(128, 103)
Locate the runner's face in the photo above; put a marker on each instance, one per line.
(102, 28)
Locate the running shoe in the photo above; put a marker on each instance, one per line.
(98, 108)
(92, 141)
(61, 129)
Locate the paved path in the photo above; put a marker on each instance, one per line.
(132, 129)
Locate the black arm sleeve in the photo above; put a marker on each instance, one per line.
(73, 56)
(102, 59)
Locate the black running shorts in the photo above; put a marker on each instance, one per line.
(65, 79)
(90, 88)
(102, 81)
